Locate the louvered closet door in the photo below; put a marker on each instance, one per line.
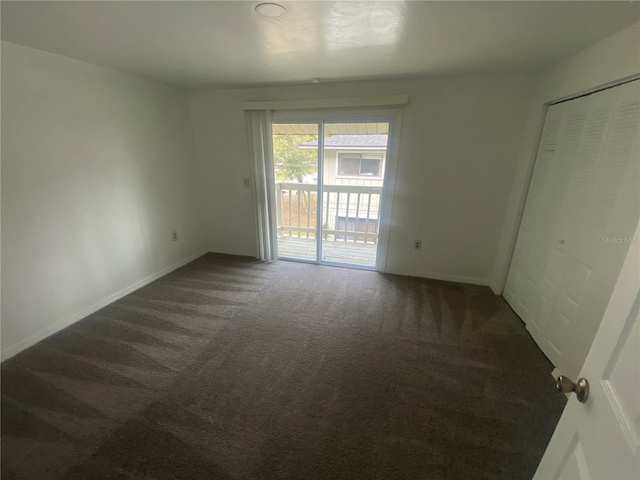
(607, 221)
(541, 251)
(581, 210)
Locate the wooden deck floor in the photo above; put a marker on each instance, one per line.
(339, 251)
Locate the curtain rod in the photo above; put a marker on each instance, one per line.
(348, 102)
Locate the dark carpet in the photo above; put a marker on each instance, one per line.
(232, 368)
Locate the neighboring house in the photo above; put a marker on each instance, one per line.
(358, 161)
(353, 159)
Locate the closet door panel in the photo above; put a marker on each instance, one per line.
(552, 222)
(522, 286)
(604, 225)
(580, 146)
(532, 285)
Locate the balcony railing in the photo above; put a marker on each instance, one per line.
(350, 213)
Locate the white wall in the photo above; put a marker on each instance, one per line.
(460, 137)
(615, 58)
(97, 170)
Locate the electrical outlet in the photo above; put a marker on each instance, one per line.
(174, 235)
(417, 245)
(247, 183)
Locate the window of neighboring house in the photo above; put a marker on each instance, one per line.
(360, 164)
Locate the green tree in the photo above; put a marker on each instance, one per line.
(292, 162)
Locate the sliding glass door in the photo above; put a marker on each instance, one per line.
(354, 157)
(296, 188)
(329, 183)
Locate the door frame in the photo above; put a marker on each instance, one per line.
(356, 115)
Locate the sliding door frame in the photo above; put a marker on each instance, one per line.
(352, 115)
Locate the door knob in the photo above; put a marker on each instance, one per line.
(581, 388)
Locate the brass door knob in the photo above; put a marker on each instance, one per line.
(581, 387)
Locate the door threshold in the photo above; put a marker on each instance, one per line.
(329, 264)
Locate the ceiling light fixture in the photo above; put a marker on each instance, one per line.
(271, 10)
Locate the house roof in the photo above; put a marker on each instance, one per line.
(350, 142)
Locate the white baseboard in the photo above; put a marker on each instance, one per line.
(446, 278)
(497, 290)
(33, 339)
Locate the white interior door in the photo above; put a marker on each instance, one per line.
(581, 210)
(600, 439)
